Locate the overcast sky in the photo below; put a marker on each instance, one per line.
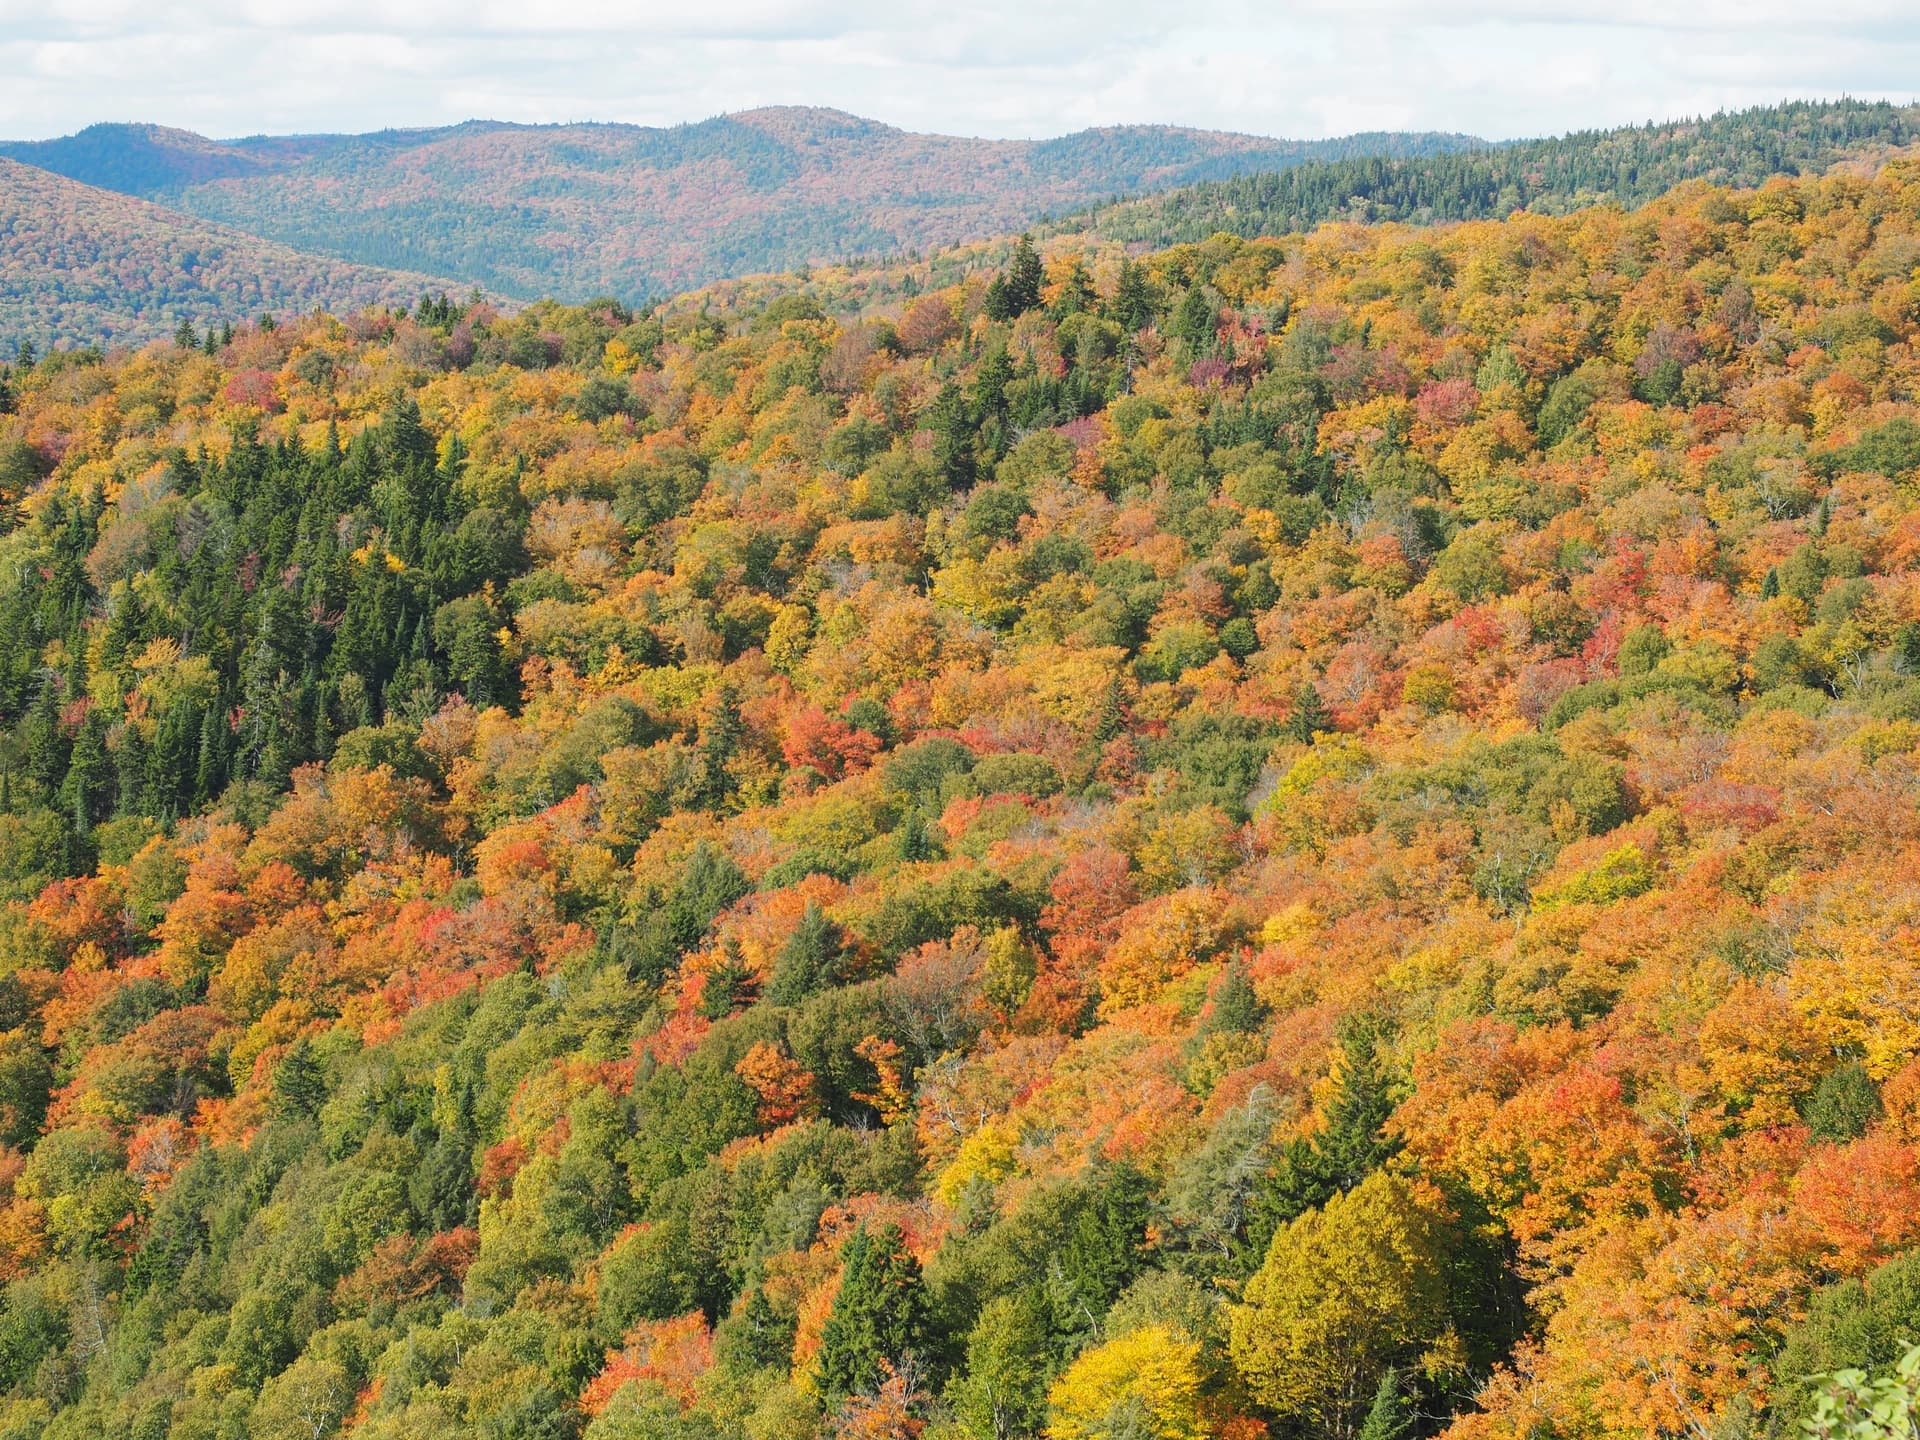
(1296, 68)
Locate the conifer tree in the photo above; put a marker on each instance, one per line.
(1391, 1416)
(809, 959)
(878, 1314)
(1309, 716)
(1132, 306)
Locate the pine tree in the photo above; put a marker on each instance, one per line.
(299, 1084)
(1076, 291)
(879, 1314)
(1020, 285)
(210, 767)
(1132, 306)
(916, 843)
(1197, 322)
(720, 733)
(85, 791)
(1105, 1249)
(1309, 716)
(954, 435)
(808, 961)
(1391, 1416)
(1236, 1009)
(1350, 1145)
(730, 983)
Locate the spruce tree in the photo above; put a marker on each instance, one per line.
(1197, 322)
(1023, 278)
(879, 1314)
(728, 984)
(299, 1084)
(1391, 1416)
(954, 433)
(1309, 716)
(808, 961)
(720, 733)
(1350, 1145)
(1132, 306)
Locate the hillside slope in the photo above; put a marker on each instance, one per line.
(1287, 838)
(84, 266)
(1625, 166)
(580, 210)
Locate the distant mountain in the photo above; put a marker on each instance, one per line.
(1627, 166)
(578, 210)
(82, 265)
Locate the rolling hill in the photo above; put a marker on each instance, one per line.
(1627, 166)
(81, 265)
(579, 210)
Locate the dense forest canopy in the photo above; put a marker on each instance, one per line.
(1626, 166)
(1296, 837)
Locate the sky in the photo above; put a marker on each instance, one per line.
(1006, 68)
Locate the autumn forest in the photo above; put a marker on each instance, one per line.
(1309, 837)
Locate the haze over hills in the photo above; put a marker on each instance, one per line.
(578, 210)
(575, 211)
(80, 265)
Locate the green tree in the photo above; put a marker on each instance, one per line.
(809, 960)
(1002, 1392)
(1391, 1416)
(1310, 716)
(878, 1314)
(1350, 1145)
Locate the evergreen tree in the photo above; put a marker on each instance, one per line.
(1391, 1416)
(1104, 1250)
(1017, 290)
(1132, 306)
(916, 843)
(1197, 322)
(720, 732)
(1349, 1146)
(808, 961)
(1309, 717)
(878, 1314)
(1076, 291)
(1237, 1009)
(728, 984)
(299, 1084)
(954, 436)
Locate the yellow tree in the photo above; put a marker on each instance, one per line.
(1146, 1383)
(1345, 1293)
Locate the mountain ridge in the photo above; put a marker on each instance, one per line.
(575, 210)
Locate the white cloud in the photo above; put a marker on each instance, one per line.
(1002, 67)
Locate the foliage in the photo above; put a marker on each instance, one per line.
(760, 868)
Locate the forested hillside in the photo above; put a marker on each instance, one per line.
(1312, 837)
(82, 266)
(635, 211)
(1628, 166)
